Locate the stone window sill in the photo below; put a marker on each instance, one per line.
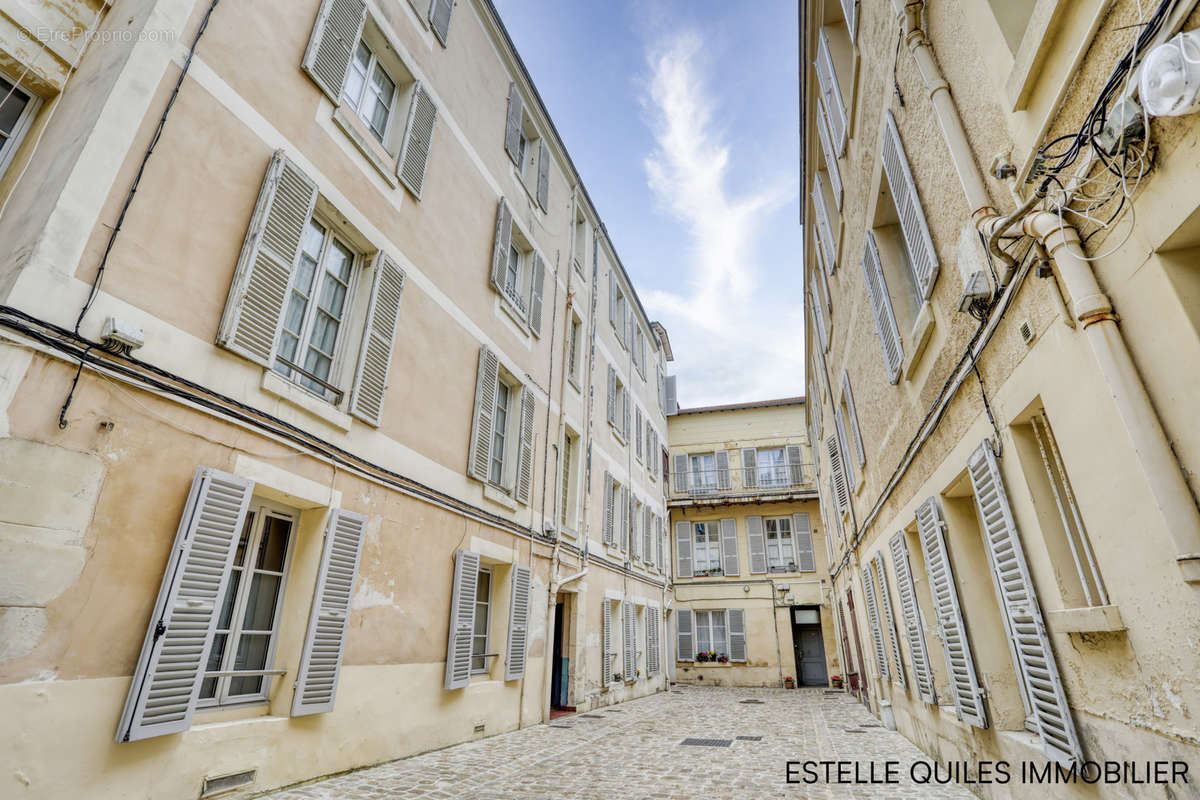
(379, 158)
(499, 496)
(278, 386)
(1095, 619)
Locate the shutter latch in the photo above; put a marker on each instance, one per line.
(159, 629)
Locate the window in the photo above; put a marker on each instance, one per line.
(567, 514)
(483, 620)
(618, 405)
(772, 468)
(529, 152)
(706, 538)
(501, 451)
(499, 433)
(370, 91)
(244, 637)
(518, 271)
(710, 632)
(573, 350)
(704, 473)
(781, 551)
(579, 255)
(618, 309)
(16, 112)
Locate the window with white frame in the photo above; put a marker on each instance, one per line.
(246, 630)
(772, 468)
(370, 91)
(711, 632)
(704, 472)
(501, 445)
(781, 548)
(518, 271)
(480, 635)
(528, 150)
(579, 256)
(16, 113)
(706, 548)
(618, 309)
(501, 425)
(567, 499)
(574, 350)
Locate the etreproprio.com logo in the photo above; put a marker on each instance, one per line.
(82, 37)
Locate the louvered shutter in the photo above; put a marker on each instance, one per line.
(850, 10)
(819, 274)
(685, 625)
(736, 620)
(612, 299)
(625, 413)
(757, 542)
(501, 244)
(462, 619)
(884, 600)
(831, 95)
(418, 140)
(825, 233)
(795, 464)
(535, 295)
(922, 256)
(648, 536)
(1018, 598)
(608, 509)
(749, 468)
(960, 662)
(658, 537)
(543, 176)
(653, 643)
(831, 163)
(334, 37)
(841, 489)
(170, 669)
(325, 642)
(439, 19)
(638, 433)
(848, 399)
(682, 473)
(518, 624)
(629, 641)
(624, 509)
(847, 464)
(873, 619)
(721, 459)
(485, 412)
(818, 318)
(802, 536)
(635, 539)
(512, 124)
(525, 456)
(913, 630)
(612, 395)
(606, 651)
(729, 548)
(250, 323)
(683, 549)
(881, 307)
(375, 355)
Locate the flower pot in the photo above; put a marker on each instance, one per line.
(837, 683)
(788, 683)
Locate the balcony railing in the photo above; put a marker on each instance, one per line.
(514, 297)
(706, 483)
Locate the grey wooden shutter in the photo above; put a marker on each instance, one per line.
(831, 95)
(841, 489)
(648, 536)
(500, 245)
(543, 176)
(683, 549)
(625, 403)
(334, 37)
(758, 545)
(795, 464)
(913, 630)
(1018, 598)
(729, 547)
(325, 641)
(653, 642)
(612, 395)
(250, 323)
(685, 625)
(884, 599)
(375, 354)
(960, 662)
(624, 509)
(439, 19)
(736, 621)
(637, 435)
(170, 669)
(606, 651)
(802, 535)
(881, 306)
(682, 474)
(525, 455)
(922, 256)
(512, 124)
(831, 163)
(462, 619)
(608, 509)
(658, 536)
(479, 457)
(876, 627)
(418, 140)
(749, 468)
(848, 399)
(629, 635)
(825, 234)
(518, 624)
(635, 539)
(612, 299)
(721, 459)
(839, 425)
(537, 289)
(818, 316)
(850, 11)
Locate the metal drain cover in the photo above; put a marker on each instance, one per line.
(561, 726)
(707, 742)
(751, 702)
(590, 716)
(854, 730)
(749, 738)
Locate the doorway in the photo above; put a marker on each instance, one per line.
(559, 662)
(809, 646)
(858, 679)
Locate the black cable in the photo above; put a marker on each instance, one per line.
(62, 412)
(999, 448)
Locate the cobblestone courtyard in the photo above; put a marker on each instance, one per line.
(633, 750)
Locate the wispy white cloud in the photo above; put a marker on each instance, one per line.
(735, 339)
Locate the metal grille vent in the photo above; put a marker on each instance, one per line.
(749, 738)
(854, 730)
(707, 742)
(225, 783)
(1027, 332)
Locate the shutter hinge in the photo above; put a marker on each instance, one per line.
(159, 629)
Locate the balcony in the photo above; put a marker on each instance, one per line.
(701, 487)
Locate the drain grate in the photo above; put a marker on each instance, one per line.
(707, 742)
(855, 730)
(871, 725)
(751, 702)
(612, 711)
(562, 726)
(590, 716)
(749, 738)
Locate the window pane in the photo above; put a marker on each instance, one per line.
(251, 654)
(273, 548)
(499, 426)
(260, 604)
(235, 580)
(381, 90)
(11, 109)
(356, 76)
(239, 558)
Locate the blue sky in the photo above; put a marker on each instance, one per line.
(681, 117)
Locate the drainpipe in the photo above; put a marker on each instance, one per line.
(1094, 312)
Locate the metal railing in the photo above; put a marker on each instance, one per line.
(514, 297)
(742, 480)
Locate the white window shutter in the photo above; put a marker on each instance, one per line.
(847, 464)
(960, 662)
(462, 619)
(884, 599)
(881, 306)
(1018, 599)
(375, 354)
(831, 158)
(795, 464)
(606, 650)
(538, 284)
(635, 538)
(638, 433)
(683, 549)
(873, 619)
(757, 544)
(525, 456)
(855, 431)
(658, 537)
(841, 489)
(612, 298)
(721, 459)
(512, 124)
(612, 395)
(629, 631)
(485, 411)
(325, 642)
(250, 323)
(439, 19)
(418, 140)
(518, 624)
(170, 669)
(543, 176)
(749, 468)
(850, 11)
(914, 632)
(501, 244)
(653, 642)
(648, 536)
(818, 317)
(685, 625)
(736, 621)
(729, 548)
(831, 95)
(624, 509)
(802, 535)
(682, 473)
(625, 403)
(825, 233)
(608, 509)
(334, 37)
(908, 203)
